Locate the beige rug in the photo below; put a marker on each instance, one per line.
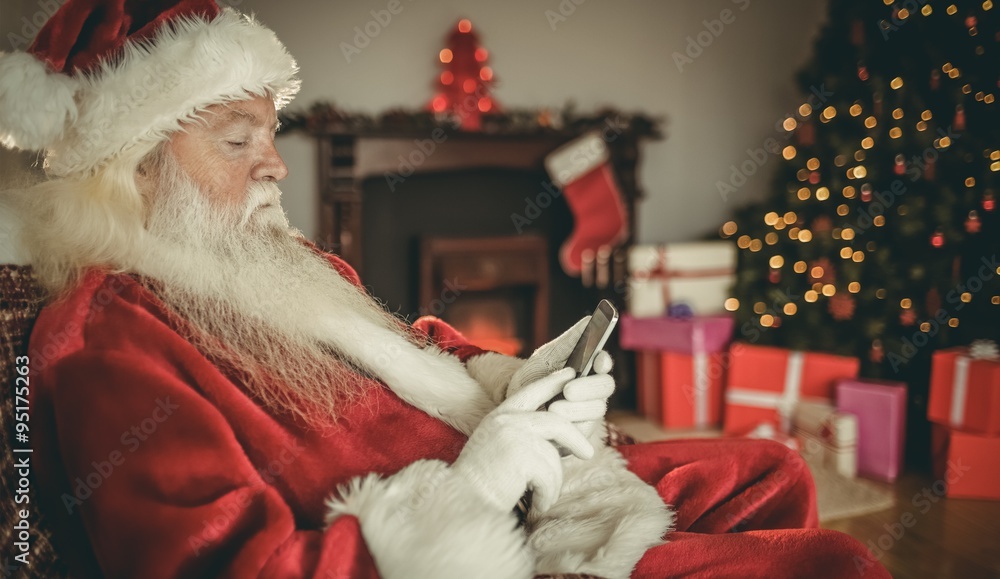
(837, 497)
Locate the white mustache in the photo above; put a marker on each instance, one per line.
(260, 194)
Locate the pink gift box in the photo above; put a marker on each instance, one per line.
(881, 410)
(706, 334)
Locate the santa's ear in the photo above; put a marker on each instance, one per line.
(36, 104)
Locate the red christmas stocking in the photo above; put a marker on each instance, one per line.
(582, 170)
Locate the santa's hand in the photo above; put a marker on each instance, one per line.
(512, 449)
(549, 358)
(585, 400)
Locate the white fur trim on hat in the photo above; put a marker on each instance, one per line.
(136, 99)
(35, 103)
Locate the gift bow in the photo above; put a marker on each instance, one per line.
(984, 350)
(827, 432)
(979, 350)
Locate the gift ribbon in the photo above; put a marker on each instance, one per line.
(661, 272)
(960, 390)
(784, 402)
(793, 388)
(700, 375)
(658, 274)
(839, 454)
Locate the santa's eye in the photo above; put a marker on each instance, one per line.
(237, 143)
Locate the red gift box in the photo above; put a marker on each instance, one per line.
(965, 392)
(648, 389)
(692, 389)
(765, 384)
(966, 463)
(681, 390)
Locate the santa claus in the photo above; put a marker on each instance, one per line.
(213, 396)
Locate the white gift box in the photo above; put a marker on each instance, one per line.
(698, 274)
(829, 436)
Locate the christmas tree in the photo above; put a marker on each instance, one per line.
(882, 235)
(464, 84)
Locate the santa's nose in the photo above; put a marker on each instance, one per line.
(271, 166)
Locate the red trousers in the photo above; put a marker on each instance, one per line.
(745, 508)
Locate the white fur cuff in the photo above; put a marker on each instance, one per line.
(425, 522)
(493, 371)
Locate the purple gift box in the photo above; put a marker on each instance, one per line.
(881, 410)
(705, 333)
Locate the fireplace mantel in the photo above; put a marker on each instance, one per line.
(348, 155)
(361, 157)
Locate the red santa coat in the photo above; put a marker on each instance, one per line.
(156, 463)
(152, 462)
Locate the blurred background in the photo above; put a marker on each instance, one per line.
(790, 202)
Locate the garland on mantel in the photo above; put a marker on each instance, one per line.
(325, 117)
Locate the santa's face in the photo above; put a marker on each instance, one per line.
(225, 259)
(230, 148)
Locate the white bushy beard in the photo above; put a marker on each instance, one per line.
(262, 302)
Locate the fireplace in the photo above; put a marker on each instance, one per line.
(426, 216)
(444, 244)
(495, 290)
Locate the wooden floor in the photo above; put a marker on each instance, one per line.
(920, 537)
(948, 538)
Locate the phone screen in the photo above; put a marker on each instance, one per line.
(595, 335)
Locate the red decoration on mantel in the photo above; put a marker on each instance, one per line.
(464, 86)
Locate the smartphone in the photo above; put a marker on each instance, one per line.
(595, 335)
(581, 359)
(592, 341)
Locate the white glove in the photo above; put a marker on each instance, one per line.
(548, 358)
(512, 448)
(586, 399)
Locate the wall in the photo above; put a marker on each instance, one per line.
(603, 52)
(13, 37)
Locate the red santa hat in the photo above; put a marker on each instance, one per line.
(104, 77)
